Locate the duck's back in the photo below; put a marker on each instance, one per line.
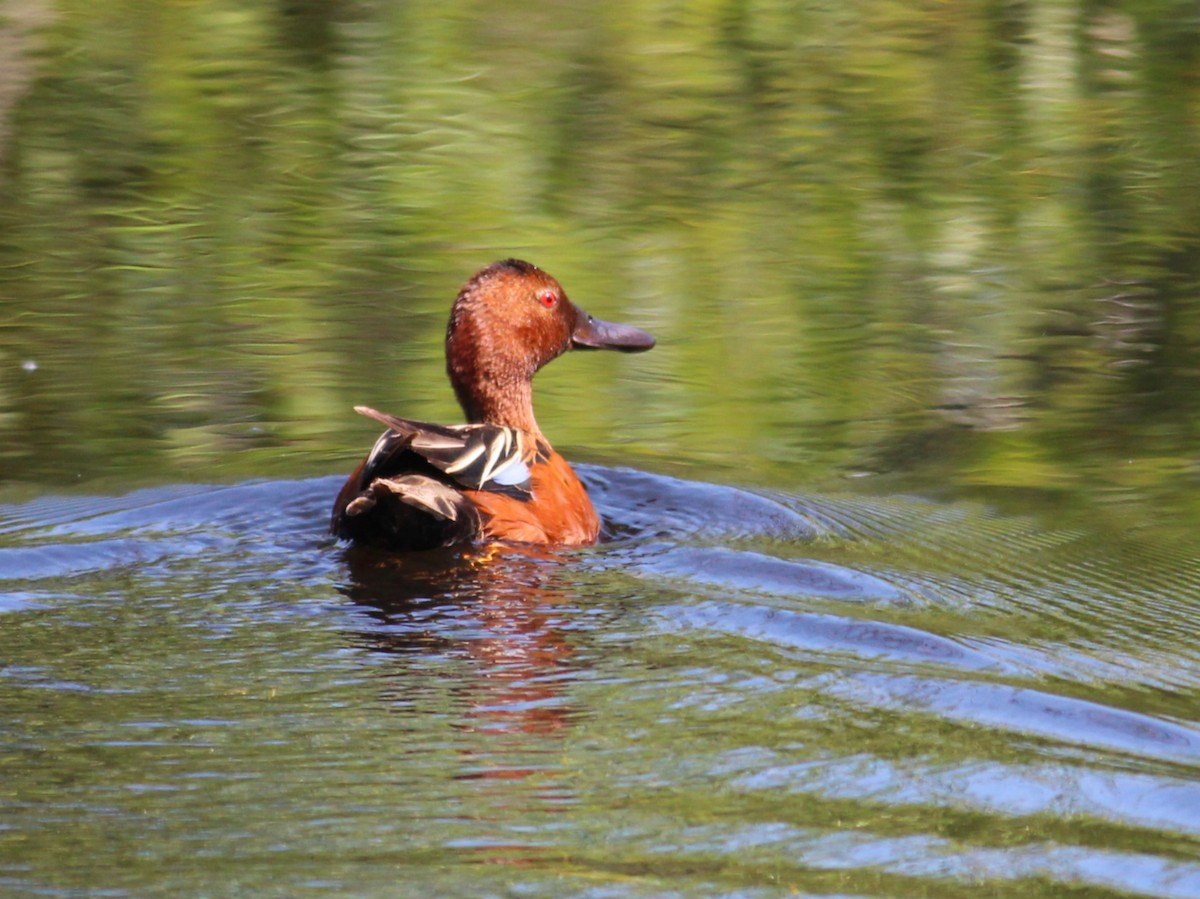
(425, 485)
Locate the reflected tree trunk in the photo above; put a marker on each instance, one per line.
(19, 21)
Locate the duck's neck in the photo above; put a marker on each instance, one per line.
(493, 387)
(498, 400)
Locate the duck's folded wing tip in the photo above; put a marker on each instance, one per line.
(424, 493)
(391, 421)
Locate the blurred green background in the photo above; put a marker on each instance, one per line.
(954, 247)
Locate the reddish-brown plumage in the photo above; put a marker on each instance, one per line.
(558, 512)
(495, 478)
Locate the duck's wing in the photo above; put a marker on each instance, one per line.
(475, 457)
(411, 491)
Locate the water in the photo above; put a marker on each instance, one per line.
(739, 693)
(900, 580)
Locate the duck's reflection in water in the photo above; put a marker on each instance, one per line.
(500, 608)
(478, 667)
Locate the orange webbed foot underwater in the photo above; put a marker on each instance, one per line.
(497, 477)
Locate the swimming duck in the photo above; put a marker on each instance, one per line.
(495, 478)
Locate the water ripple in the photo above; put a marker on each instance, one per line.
(727, 663)
(825, 634)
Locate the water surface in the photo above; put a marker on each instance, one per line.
(900, 580)
(739, 693)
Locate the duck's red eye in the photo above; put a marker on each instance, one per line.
(548, 298)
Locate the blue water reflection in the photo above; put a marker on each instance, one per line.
(695, 701)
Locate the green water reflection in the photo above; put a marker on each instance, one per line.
(953, 241)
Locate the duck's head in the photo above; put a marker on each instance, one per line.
(509, 320)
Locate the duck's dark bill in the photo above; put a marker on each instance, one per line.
(595, 334)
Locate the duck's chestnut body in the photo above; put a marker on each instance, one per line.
(496, 477)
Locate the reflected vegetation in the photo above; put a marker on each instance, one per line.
(952, 243)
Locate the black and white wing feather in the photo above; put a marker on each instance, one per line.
(479, 456)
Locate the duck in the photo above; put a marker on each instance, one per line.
(495, 478)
